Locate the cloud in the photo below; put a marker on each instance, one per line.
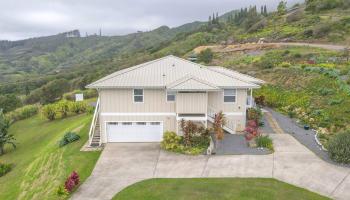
(21, 19)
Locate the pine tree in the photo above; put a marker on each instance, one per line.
(265, 10)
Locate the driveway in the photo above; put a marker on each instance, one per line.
(122, 164)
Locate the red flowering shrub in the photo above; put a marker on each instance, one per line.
(252, 129)
(71, 182)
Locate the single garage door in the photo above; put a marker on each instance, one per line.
(135, 131)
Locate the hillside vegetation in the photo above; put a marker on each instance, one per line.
(39, 165)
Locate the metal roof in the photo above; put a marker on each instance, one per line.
(168, 70)
(236, 74)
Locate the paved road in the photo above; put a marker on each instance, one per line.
(324, 46)
(122, 164)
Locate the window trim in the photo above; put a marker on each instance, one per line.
(235, 95)
(143, 95)
(166, 97)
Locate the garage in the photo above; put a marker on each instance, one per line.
(134, 131)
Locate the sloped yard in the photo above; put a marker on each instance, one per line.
(40, 166)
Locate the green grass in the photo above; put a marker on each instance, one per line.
(40, 166)
(215, 188)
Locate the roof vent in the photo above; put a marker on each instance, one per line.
(163, 74)
(173, 65)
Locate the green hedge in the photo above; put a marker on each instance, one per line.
(4, 169)
(22, 113)
(64, 108)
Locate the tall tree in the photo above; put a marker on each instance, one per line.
(282, 8)
(5, 137)
(265, 10)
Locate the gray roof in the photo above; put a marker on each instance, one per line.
(236, 74)
(176, 74)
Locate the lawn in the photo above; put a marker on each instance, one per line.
(39, 165)
(215, 188)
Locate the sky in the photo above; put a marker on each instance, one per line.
(20, 19)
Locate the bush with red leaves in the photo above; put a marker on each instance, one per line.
(71, 182)
(252, 129)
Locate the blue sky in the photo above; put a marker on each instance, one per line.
(21, 19)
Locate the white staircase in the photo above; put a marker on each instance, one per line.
(95, 130)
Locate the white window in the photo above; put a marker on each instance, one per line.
(155, 123)
(127, 123)
(230, 96)
(138, 95)
(170, 96)
(141, 123)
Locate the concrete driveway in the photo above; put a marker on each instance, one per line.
(122, 164)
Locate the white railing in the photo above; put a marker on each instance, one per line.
(211, 117)
(94, 121)
(250, 102)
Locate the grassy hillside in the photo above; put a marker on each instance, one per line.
(40, 166)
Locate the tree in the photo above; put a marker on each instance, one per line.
(5, 137)
(282, 8)
(206, 55)
(265, 10)
(9, 102)
(54, 90)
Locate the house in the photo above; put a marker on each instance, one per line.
(139, 103)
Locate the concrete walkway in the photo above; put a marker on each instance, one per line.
(122, 164)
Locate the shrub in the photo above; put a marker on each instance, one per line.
(254, 114)
(63, 108)
(171, 141)
(49, 111)
(285, 64)
(78, 107)
(264, 141)
(206, 55)
(61, 191)
(71, 182)
(22, 113)
(69, 137)
(325, 91)
(339, 147)
(4, 169)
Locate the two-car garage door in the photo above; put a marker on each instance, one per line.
(134, 131)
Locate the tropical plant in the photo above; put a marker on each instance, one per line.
(49, 111)
(71, 182)
(5, 137)
(171, 141)
(339, 147)
(22, 113)
(189, 129)
(4, 169)
(252, 129)
(69, 137)
(219, 123)
(264, 141)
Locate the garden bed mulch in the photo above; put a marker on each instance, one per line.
(305, 137)
(236, 144)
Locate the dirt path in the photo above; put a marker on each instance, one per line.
(323, 46)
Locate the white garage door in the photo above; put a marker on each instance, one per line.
(135, 131)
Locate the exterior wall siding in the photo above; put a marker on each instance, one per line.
(235, 112)
(121, 100)
(191, 102)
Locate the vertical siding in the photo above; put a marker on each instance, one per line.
(191, 102)
(216, 102)
(121, 100)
